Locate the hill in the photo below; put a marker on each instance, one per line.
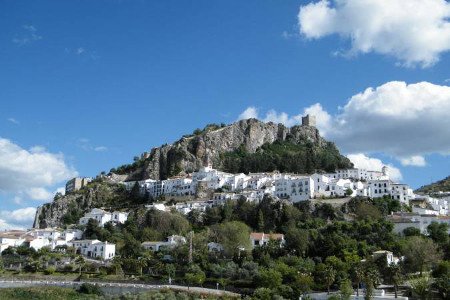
(245, 146)
(438, 186)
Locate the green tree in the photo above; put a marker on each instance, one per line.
(411, 231)
(395, 276)
(421, 287)
(195, 276)
(141, 263)
(270, 278)
(81, 262)
(438, 232)
(93, 231)
(297, 240)
(442, 285)
(346, 289)
(260, 221)
(117, 264)
(304, 283)
(132, 248)
(420, 253)
(329, 275)
(232, 235)
(348, 192)
(371, 279)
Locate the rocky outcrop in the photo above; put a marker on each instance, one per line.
(190, 153)
(74, 205)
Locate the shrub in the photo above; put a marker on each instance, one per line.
(49, 270)
(90, 289)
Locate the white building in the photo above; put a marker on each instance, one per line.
(47, 233)
(390, 258)
(171, 242)
(103, 217)
(11, 238)
(401, 192)
(294, 188)
(359, 174)
(262, 239)
(95, 249)
(403, 220)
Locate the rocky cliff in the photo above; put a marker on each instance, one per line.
(190, 153)
(65, 210)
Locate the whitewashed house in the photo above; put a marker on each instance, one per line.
(171, 242)
(294, 188)
(390, 258)
(103, 217)
(11, 238)
(47, 233)
(95, 249)
(404, 220)
(262, 239)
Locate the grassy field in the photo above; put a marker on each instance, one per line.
(44, 293)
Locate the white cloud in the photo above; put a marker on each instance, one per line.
(28, 36)
(100, 149)
(82, 53)
(412, 31)
(17, 219)
(249, 113)
(415, 160)
(86, 145)
(30, 172)
(271, 116)
(275, 117)
(39, 193)
(396, 118)
(14, 121)
(79, 50)
(363, 161)
(405, 121)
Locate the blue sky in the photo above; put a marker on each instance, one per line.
(97, 82)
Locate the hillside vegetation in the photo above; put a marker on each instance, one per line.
(439, 186)
(285, 156)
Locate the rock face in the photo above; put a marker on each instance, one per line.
(190, 153)
(76, 204)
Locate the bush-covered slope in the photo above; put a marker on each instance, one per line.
(441, 185)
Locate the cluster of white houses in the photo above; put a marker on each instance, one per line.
(55, 238)
(294, 187)
(403, 220)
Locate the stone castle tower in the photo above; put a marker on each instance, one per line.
(309, 120)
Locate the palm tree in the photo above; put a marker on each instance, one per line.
(359, 276)
(80, 261)
(329, 276)
(395, 276)
(117, 263)
(142, 262)
(371, 278)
